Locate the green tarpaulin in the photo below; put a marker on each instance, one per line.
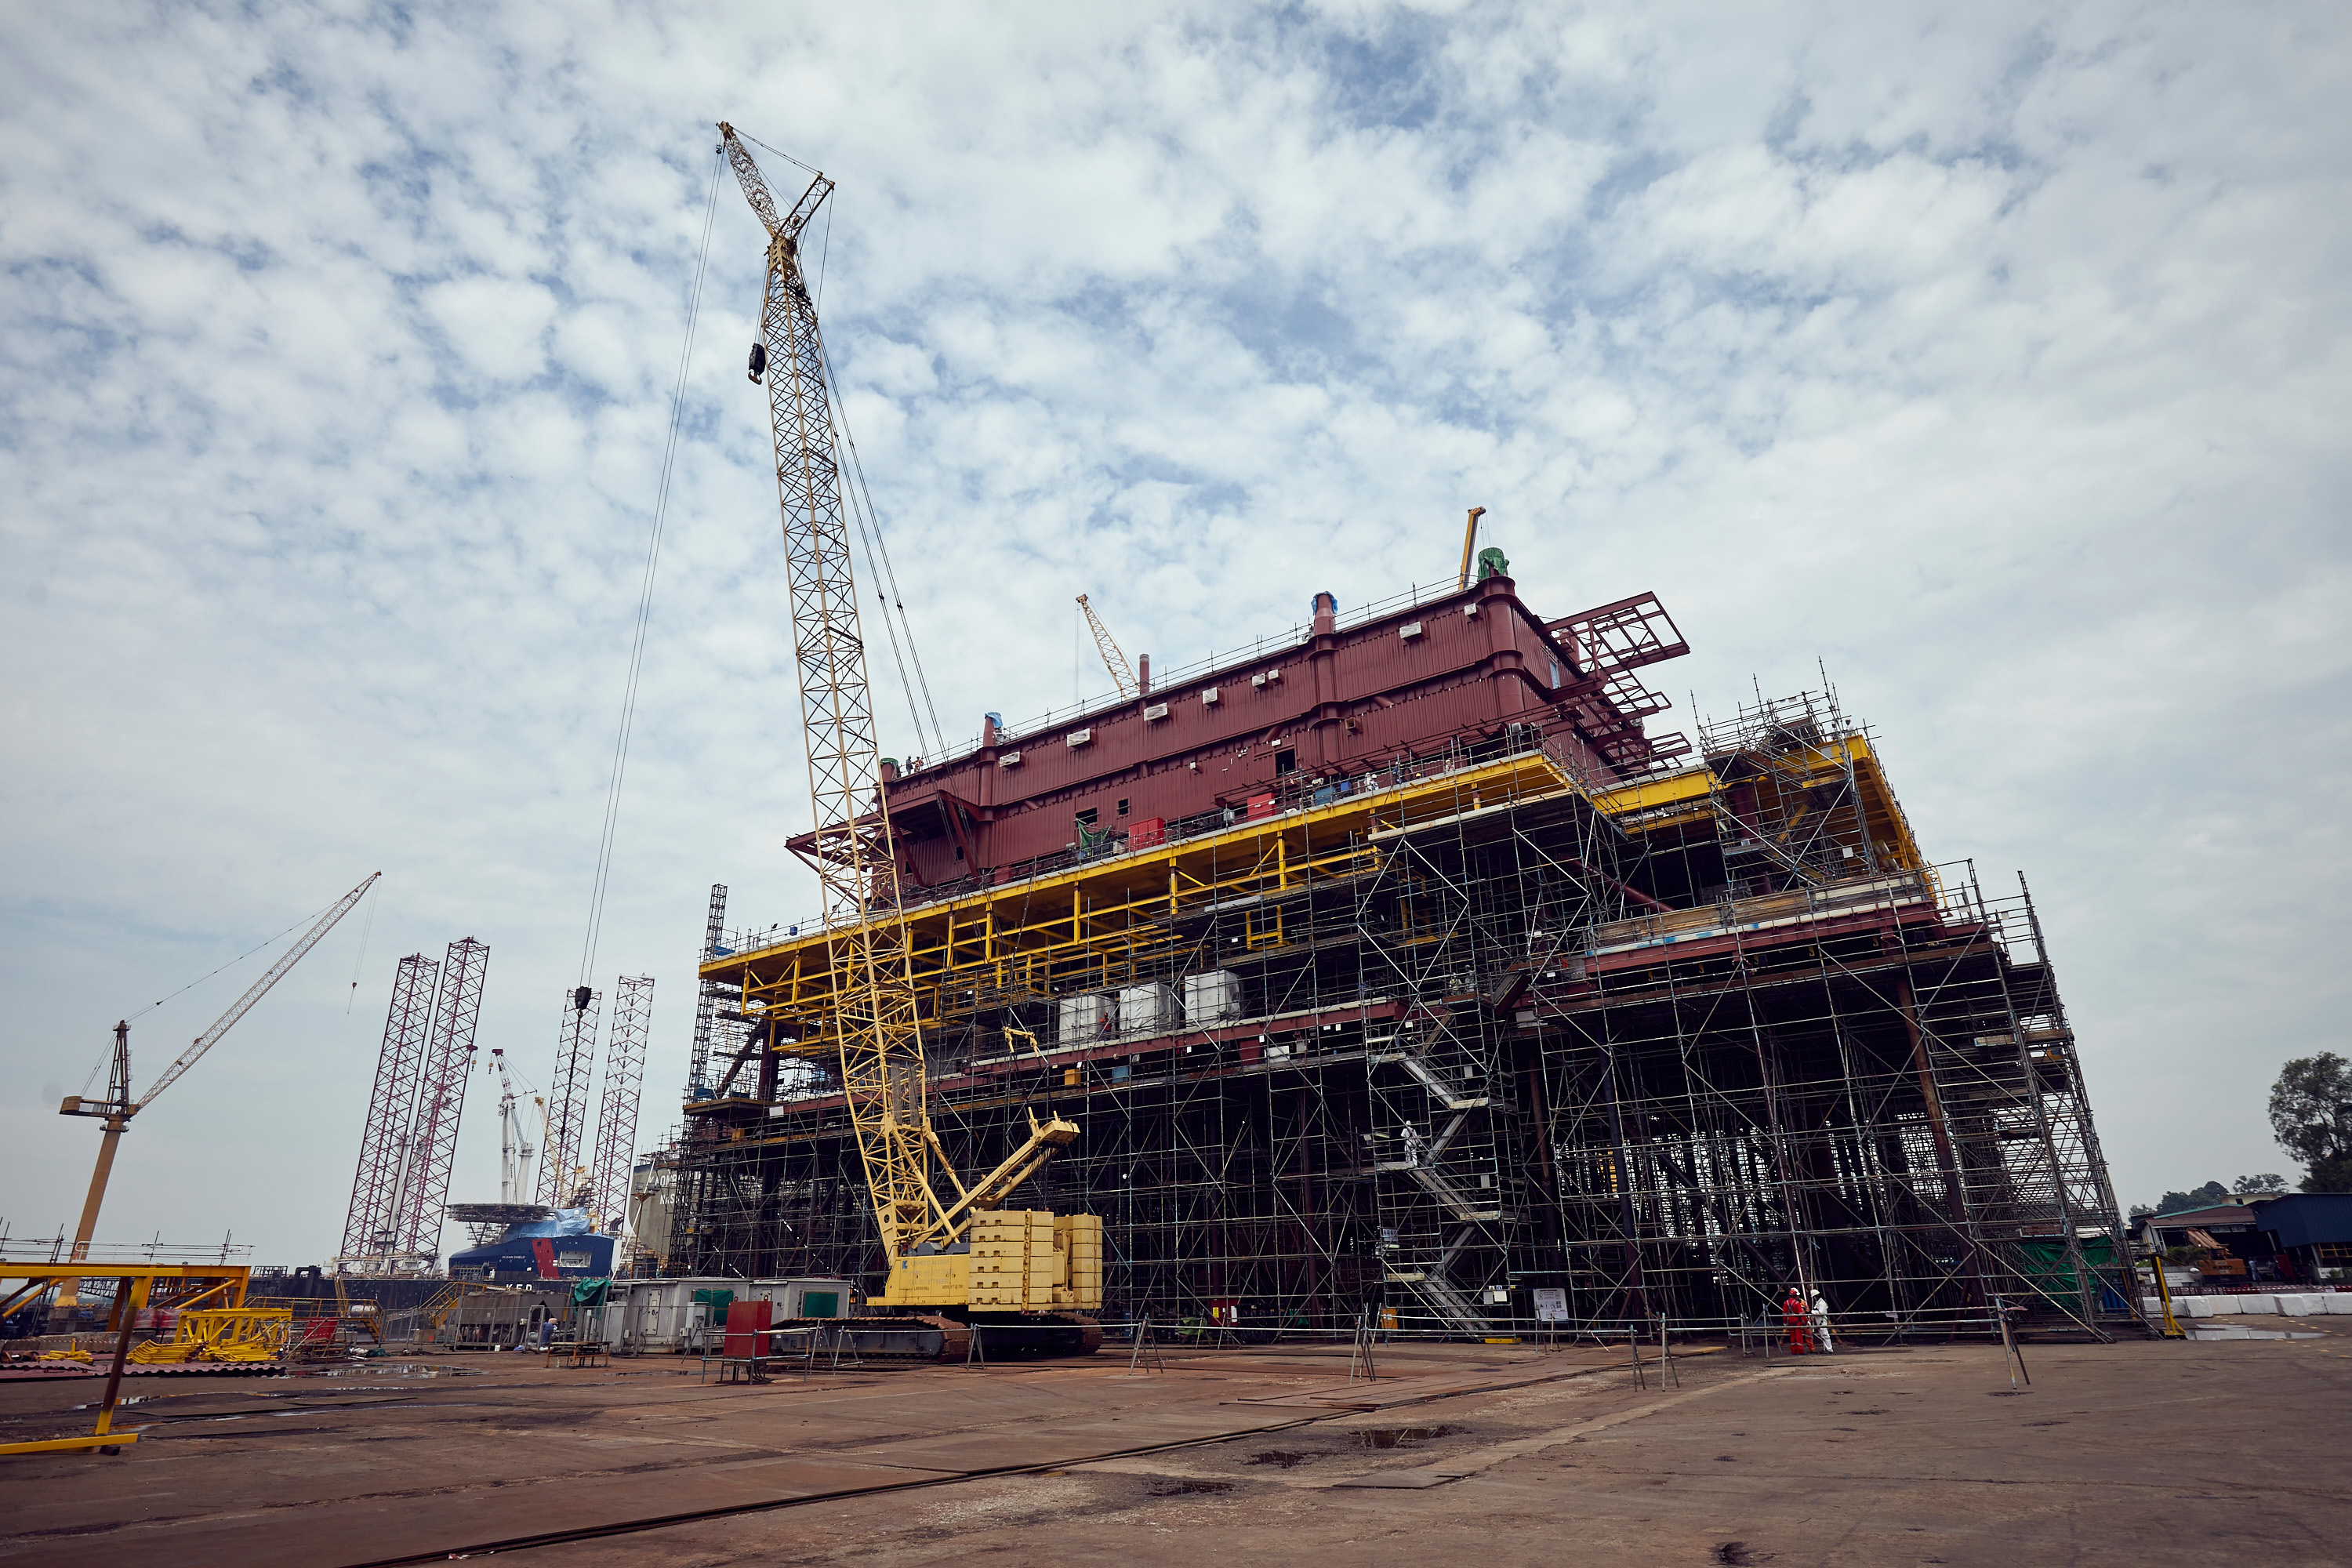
(2051, 1274)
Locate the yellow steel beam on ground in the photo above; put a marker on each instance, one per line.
(134, 1285)
(60, 1445)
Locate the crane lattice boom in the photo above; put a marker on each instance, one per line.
(1114, 657)
(259, 988)
(878, 1036)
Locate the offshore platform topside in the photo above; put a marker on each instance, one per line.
(1402, 965)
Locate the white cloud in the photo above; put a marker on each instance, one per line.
(494, 324)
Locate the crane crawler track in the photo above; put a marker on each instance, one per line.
(926, 1337)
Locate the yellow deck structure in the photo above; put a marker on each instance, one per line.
(1103, 923)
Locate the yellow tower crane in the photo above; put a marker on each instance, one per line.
(947, 1246)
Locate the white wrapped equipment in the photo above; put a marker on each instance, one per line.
(1213, 996)
(1088, 1020)
(1146, 1010)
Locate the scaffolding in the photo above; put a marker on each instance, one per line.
(1431, 1036)
(1838, 1067)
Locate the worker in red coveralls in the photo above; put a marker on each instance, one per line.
(1800, 1323)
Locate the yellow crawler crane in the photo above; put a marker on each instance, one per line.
(958, 1249)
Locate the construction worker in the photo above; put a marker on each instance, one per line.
(1821, 1316)
(1799, 1321)
(1411, 1144)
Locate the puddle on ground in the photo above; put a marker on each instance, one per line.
(396, 1369)
(1279, 1456)
(126, 1399)
(1175, 1487)
(1390, 1437)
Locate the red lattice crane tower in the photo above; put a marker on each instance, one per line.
(441, 1096)
(370, 1227)
(616, 1119)
(563, 1166)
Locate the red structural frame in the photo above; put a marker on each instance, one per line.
(441, 1096)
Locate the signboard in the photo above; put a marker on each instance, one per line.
(1552, 1306)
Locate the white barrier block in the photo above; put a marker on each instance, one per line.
(2301, 1306)
(2340, 1301)
(2192, 1306)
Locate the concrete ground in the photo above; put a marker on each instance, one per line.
(2139, 1454)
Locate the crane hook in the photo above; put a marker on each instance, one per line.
(758, 366)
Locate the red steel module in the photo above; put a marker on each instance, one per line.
(1336, 703)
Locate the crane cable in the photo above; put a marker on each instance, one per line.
(366, 927)
(603, 876)
(780, 152)
(861, 509)
(106, 1053)
(870, 529)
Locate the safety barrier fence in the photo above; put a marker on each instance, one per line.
(1872, 1328)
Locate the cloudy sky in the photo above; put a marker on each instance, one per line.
(1992, 356)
